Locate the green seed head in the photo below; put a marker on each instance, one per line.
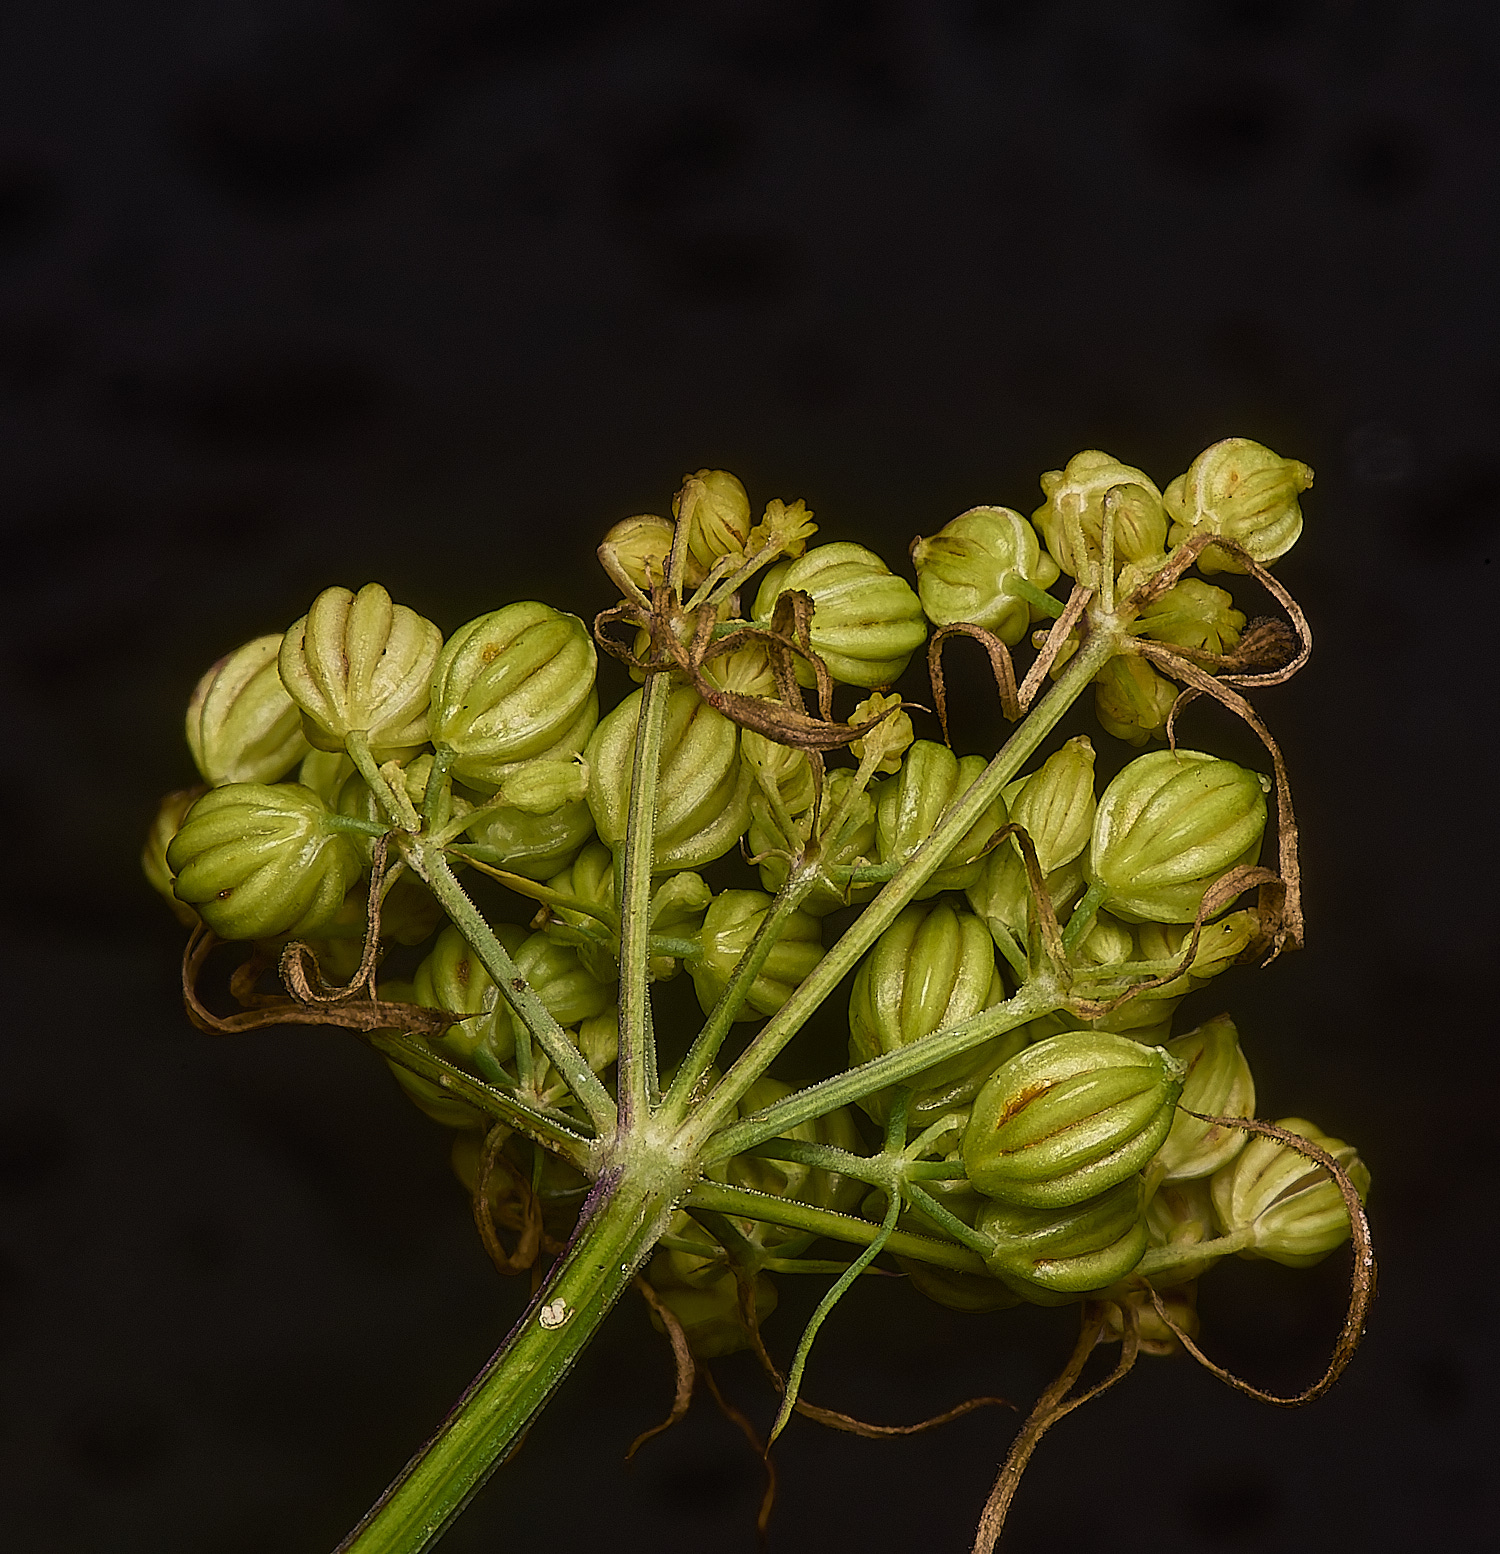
(1051, 1255)
(452, 978)
(641, 546)
(1071, 520)
(1243, 491)
(1191, 614)
(1070, 1117)
(1056, 805)
(259, 861)
(1167, 827)
(1132, 701)
(1291, 1206)
(241, 724)
(1217, 1083)
(169, 817)
(931, 969)
(356, 663)
(866, 622)
(965, 570)
(930, 779)
(729, 926)
(512, 686)
(719, 517)
(703, 792)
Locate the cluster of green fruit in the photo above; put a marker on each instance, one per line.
(1047, 1160)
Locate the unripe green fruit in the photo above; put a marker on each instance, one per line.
(965, 569)
(1242, 490)
(1290, 1204)
(1132, 701)
(513, 685)
(930, 779)
(1219, 945)
(957, 1290)
(779, 770)
(241, 724)
(719, 520)
(933, 968)
(1056, 805)
(356, 663)
(1191, 614)
(1047, 1253)
(1218, 1084)
(168, 821)
(535, 846)
(708, 1310)
(1068, 1118)
(866, 622)
(641, 546)
(703, 792)
(731, 923)
(428, 1098)
(570, 991)
(1002, 893)
(325, 772)
(1170, 825)
(259, 861)
(452, 978)
(1074, 513)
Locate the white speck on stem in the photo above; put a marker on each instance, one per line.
(554, 1314)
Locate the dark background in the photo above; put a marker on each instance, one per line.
(299, 293)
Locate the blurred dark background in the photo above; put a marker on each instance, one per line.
(293, 294)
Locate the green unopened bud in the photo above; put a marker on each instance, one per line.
(965, 571)
(511, 686)
(719, 516)
(866, 622)
(1191, 614)
(241, 724)
(1066, 1252)
(1289, 1205)
(703, 792)
(731, 923)
(1218, 1084)
(1132, 701)
(260, 861)
(1243, 491)
(1056, 805)
(931, 969)
(356, 663)
(931, 778)
(641, 545)
(1070, 1117)
(169, 817)
(1071, 520)
(1170, 825)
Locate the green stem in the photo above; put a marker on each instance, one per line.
(744, 1203)
(1033, 1001)
(1163, 1259)
(430, 863)
(637, 1077)
(711, 1038)
(413, 1054)
(615, 1235)
(1083, 917)
(1018, 588)
(956, 822)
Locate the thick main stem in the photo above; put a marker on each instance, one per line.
(626, 1217)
